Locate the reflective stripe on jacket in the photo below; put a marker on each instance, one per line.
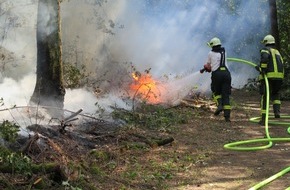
(271, 63)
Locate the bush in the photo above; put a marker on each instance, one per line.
(9, 131)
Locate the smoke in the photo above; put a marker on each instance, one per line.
(167, 37)
(170, 36)
(46, 25)
(18, 39)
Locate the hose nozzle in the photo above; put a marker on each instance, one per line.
(202, 70)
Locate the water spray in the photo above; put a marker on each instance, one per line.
(237, 145)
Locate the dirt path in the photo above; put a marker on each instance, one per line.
(222, 169)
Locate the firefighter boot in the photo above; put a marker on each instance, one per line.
(263, 119)
(219, 107)
(276, 108)
(227, 115)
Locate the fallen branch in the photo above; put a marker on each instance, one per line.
(50, 107)
(154, 143)
(72, 116)
(29, 143)
(53, 145)
(164, 141)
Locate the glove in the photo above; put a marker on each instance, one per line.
(207, 68)
(202, 70)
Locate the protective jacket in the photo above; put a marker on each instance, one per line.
(271, 63)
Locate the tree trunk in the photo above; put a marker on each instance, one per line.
(49, 89)
(274, 22)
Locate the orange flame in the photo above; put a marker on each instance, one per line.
(145, 87)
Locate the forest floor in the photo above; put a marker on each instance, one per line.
(128, 158)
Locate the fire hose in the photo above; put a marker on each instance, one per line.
(268, 140)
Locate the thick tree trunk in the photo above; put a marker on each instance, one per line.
(49, 90)
(274, 22)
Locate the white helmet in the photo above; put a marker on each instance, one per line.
(269, 39)
(214, 42)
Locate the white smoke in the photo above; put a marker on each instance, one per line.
(46, 27)
(167, 36)
(18, 36)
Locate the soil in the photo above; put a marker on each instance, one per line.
(228, 169)
(195, 160)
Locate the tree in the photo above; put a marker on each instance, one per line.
(49, 89)
(283, 12)
(274, 21)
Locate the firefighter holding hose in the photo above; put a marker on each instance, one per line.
(220, 77)
(271, 65)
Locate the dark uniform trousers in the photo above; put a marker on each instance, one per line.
(274, 92)
(221, 88)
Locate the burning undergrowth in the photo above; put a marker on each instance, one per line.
(50, 151)
(144, 88)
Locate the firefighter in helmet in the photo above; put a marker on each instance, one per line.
(220, 77)
(271, 66)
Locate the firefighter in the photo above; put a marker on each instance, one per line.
(220, 77)
(271, 65)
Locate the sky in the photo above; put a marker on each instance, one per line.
(166, 36)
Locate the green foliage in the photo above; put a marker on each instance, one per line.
(3, 153)
(153, 116)
(97, 171)
(252, 85)
(67, 185)
(19, 163)
(284, 34)
(9, 131)
(72, 76)
(100, 155)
